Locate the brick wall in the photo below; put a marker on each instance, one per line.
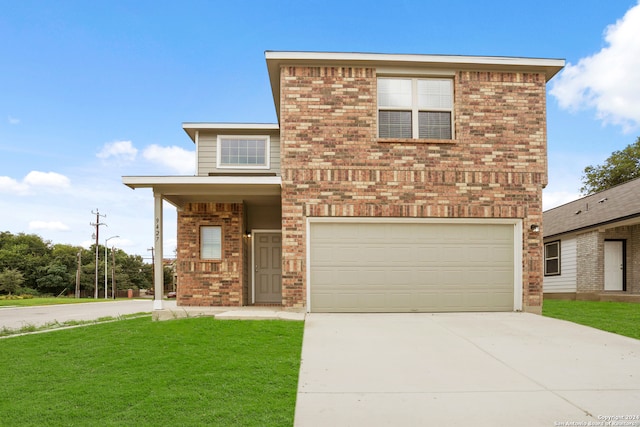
(590, 262)
(633, 260)
(210, 282)
(333, 164)
(630, 234)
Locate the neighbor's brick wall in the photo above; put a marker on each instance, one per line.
(333, 164)
(630, 234)
(210, 282)
(633, 260)
(590, 260)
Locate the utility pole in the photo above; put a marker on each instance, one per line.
(97, 224)
(113, 272)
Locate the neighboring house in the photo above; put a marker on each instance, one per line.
(391, 183)
(592, 245)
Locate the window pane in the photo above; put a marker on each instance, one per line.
(551, 266)
(243, 152)
(435, 93)
(210, 242)
(394, 124)
(394, 92)
(551, 250)
(434, 125)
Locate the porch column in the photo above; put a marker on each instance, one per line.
(158, 271)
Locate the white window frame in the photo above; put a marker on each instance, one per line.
(414, 107)
(202, 243)
(267, 151)
(547, 258)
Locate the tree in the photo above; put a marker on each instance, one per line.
(620, 167)
(11, 280)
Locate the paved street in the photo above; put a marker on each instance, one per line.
(17, 317)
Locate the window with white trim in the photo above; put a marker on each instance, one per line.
(418, 108)
(243, 152)
(552, 258)
(210, 242)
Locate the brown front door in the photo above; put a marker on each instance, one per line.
(268, 267)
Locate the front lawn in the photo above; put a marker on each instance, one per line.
(186, 372)
(621, 318)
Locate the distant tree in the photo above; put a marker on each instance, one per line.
(10, 281)
(620, 167)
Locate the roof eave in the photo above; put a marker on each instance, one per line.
(192, 127)
(276, 59)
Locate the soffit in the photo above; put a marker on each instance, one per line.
(179, 190)
(231, 128)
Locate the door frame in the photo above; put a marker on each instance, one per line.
(517, 243)
(253, 258)
(624, 264)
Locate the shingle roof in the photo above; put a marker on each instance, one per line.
(615, 204)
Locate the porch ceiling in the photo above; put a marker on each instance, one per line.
(180, 190)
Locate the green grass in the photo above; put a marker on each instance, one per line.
(186, 372)
(618, 317)
(49, 301)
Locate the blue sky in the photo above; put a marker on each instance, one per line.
(91, 91)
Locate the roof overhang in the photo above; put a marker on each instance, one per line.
(179, 190)
(230, 128)
(276, 60)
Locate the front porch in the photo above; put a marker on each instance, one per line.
(228, 239)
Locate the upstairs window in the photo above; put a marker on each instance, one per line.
(243, 152)
(552, 259)
(415, 108)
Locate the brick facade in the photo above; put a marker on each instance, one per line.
(590, 262)
(211, 282)
(590, 258)
(334, 165)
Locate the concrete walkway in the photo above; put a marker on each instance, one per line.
(170, 310)
(17, 317)
(482, 369)
(14, 318)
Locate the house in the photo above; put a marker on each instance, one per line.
(391, 183)
(592, 246)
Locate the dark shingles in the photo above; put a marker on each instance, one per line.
(617, 203)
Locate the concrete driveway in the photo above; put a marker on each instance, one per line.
(463, 369)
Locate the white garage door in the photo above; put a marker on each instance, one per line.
(411, 267)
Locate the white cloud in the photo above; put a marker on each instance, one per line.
(13, 120)
(607, 80)
(46, 179)
(33, 180)
(48, 225)
(10, 185)
(121, 150)
(177, 159)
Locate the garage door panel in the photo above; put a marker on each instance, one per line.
(396, 267)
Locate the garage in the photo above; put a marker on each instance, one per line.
(358, 265)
